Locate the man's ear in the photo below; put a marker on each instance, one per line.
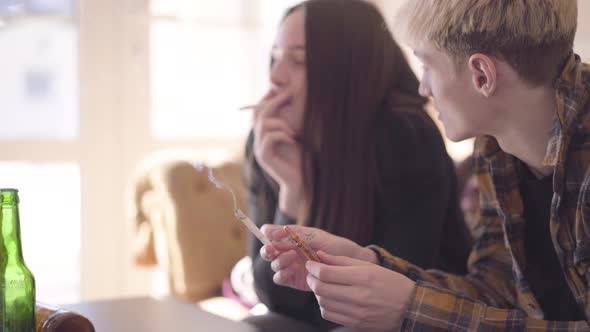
(483, 73)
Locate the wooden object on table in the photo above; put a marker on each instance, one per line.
(52, 319)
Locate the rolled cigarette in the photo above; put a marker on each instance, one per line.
(248, 107)
(251, 227)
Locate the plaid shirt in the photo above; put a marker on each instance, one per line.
(495, 294)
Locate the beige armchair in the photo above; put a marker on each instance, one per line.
(185, 225)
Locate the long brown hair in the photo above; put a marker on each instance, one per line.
(355, 71)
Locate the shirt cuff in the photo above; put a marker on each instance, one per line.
(378, 251)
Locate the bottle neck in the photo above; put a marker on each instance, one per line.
(10, 245)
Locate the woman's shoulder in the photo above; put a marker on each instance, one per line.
(410, 130)
(411, 147)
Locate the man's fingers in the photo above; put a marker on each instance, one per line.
(269, 230)
(336, 292)
(336, 306)
(354, 273)
(311, 236)
(284, 245)
(268, 253)
(339, 318)
(285, 277)
(341, 260)
(284, 260)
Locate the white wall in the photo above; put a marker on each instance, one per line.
(582, 42)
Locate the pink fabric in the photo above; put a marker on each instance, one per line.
(228, 292)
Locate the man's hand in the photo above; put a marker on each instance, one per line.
(358, 294)
(290, 266)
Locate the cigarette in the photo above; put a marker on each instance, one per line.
(250, 225)
(249, 107)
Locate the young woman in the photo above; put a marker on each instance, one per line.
(342, 142)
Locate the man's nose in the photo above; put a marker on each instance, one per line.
(424, 89)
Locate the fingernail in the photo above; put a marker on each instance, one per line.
(276, 278)
(308, 281)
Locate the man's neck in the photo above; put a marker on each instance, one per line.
(530, 114)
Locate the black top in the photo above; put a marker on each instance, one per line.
(417, 214)
(543, 270)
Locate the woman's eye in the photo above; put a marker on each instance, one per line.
(297, 61)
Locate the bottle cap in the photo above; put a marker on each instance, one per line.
(10, 194)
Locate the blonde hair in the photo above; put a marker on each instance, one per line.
(533, 36)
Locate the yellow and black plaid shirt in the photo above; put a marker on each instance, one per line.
(495, 294)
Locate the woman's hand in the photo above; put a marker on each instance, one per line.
(278, 152)
(358, 294)
(289, 266)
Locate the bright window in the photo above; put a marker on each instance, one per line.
(39, 66)
(40, 115)
(208, 58)
(50, 225)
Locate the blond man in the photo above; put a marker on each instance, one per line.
(503, 71)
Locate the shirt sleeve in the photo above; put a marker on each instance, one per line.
(482, 300)
(437, 309)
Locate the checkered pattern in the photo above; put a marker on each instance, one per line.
(495, 295)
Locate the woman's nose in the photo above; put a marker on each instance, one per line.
(279, 75)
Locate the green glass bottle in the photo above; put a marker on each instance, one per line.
(17, 285)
